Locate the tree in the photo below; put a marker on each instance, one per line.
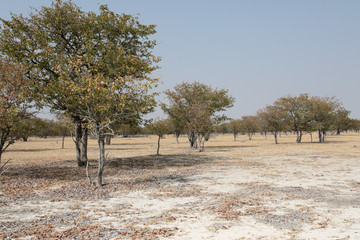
(159, 128)
(234, 126)
(249, 125)
(273, 119)
(194, 104)
(222, 128)
(200, 125)
(61, 47)
(324, 114)
(342, 121)
(299, 112)
(355, 125)
(177, 127)
(14, 105)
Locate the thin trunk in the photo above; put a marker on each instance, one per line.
(320, 137)
(101, 146)
(158, 146)
(63, 142)
(191, 137)
(265, 135)
(323, 136)
(88, 173)
(1, 152)
(311, 137)
(276, 140)
(235, 137)
(177, 134)
(299, 136)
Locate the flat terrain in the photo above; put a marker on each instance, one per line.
(234, 190)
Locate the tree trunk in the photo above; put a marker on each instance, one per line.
(338, 131)
(200, 146)
(323, 136)
(177, 135)
(158, 146)
(83, 145)
(3, 138)
(310, 137)
(192, 139)
(235, 137)
(299, 136)
(275, 136)
(63, 142)
(320, 136)
(77, 143)
(101, 161)
(249, 135)
(108, 139)
(1, 152)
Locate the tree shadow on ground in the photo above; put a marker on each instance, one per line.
(227, 148)
(50, 171)
(159, 161)
(69, 171)
(31, 150)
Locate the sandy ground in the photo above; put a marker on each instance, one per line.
(234, 190)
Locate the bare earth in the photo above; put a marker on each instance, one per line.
(234, 190)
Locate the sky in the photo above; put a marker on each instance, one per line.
(259, 50)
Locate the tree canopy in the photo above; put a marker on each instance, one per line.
(194, 106)
(62, 47)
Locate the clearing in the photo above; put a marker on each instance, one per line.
(234, 190)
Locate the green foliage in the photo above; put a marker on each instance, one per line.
(249, 125)
(63, 49)
(272, 119)
(159, 127)
(193, 106)
(14, 104)
(304, 114)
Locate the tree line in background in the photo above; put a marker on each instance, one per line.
(94, 71)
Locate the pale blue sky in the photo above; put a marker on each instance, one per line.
(259, 50)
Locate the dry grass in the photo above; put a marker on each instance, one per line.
(233, 190)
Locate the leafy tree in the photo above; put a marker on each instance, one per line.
(159, 128)
(235, 127)
(14, 105)
(299, 112)
(119, 98)
(62, 47)
(222, 128)
(324, 114)
(128, 129)
(249, 125)
(342, 121)
(273, 119)
(355, 125)
(195, 105)
(200, 125)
